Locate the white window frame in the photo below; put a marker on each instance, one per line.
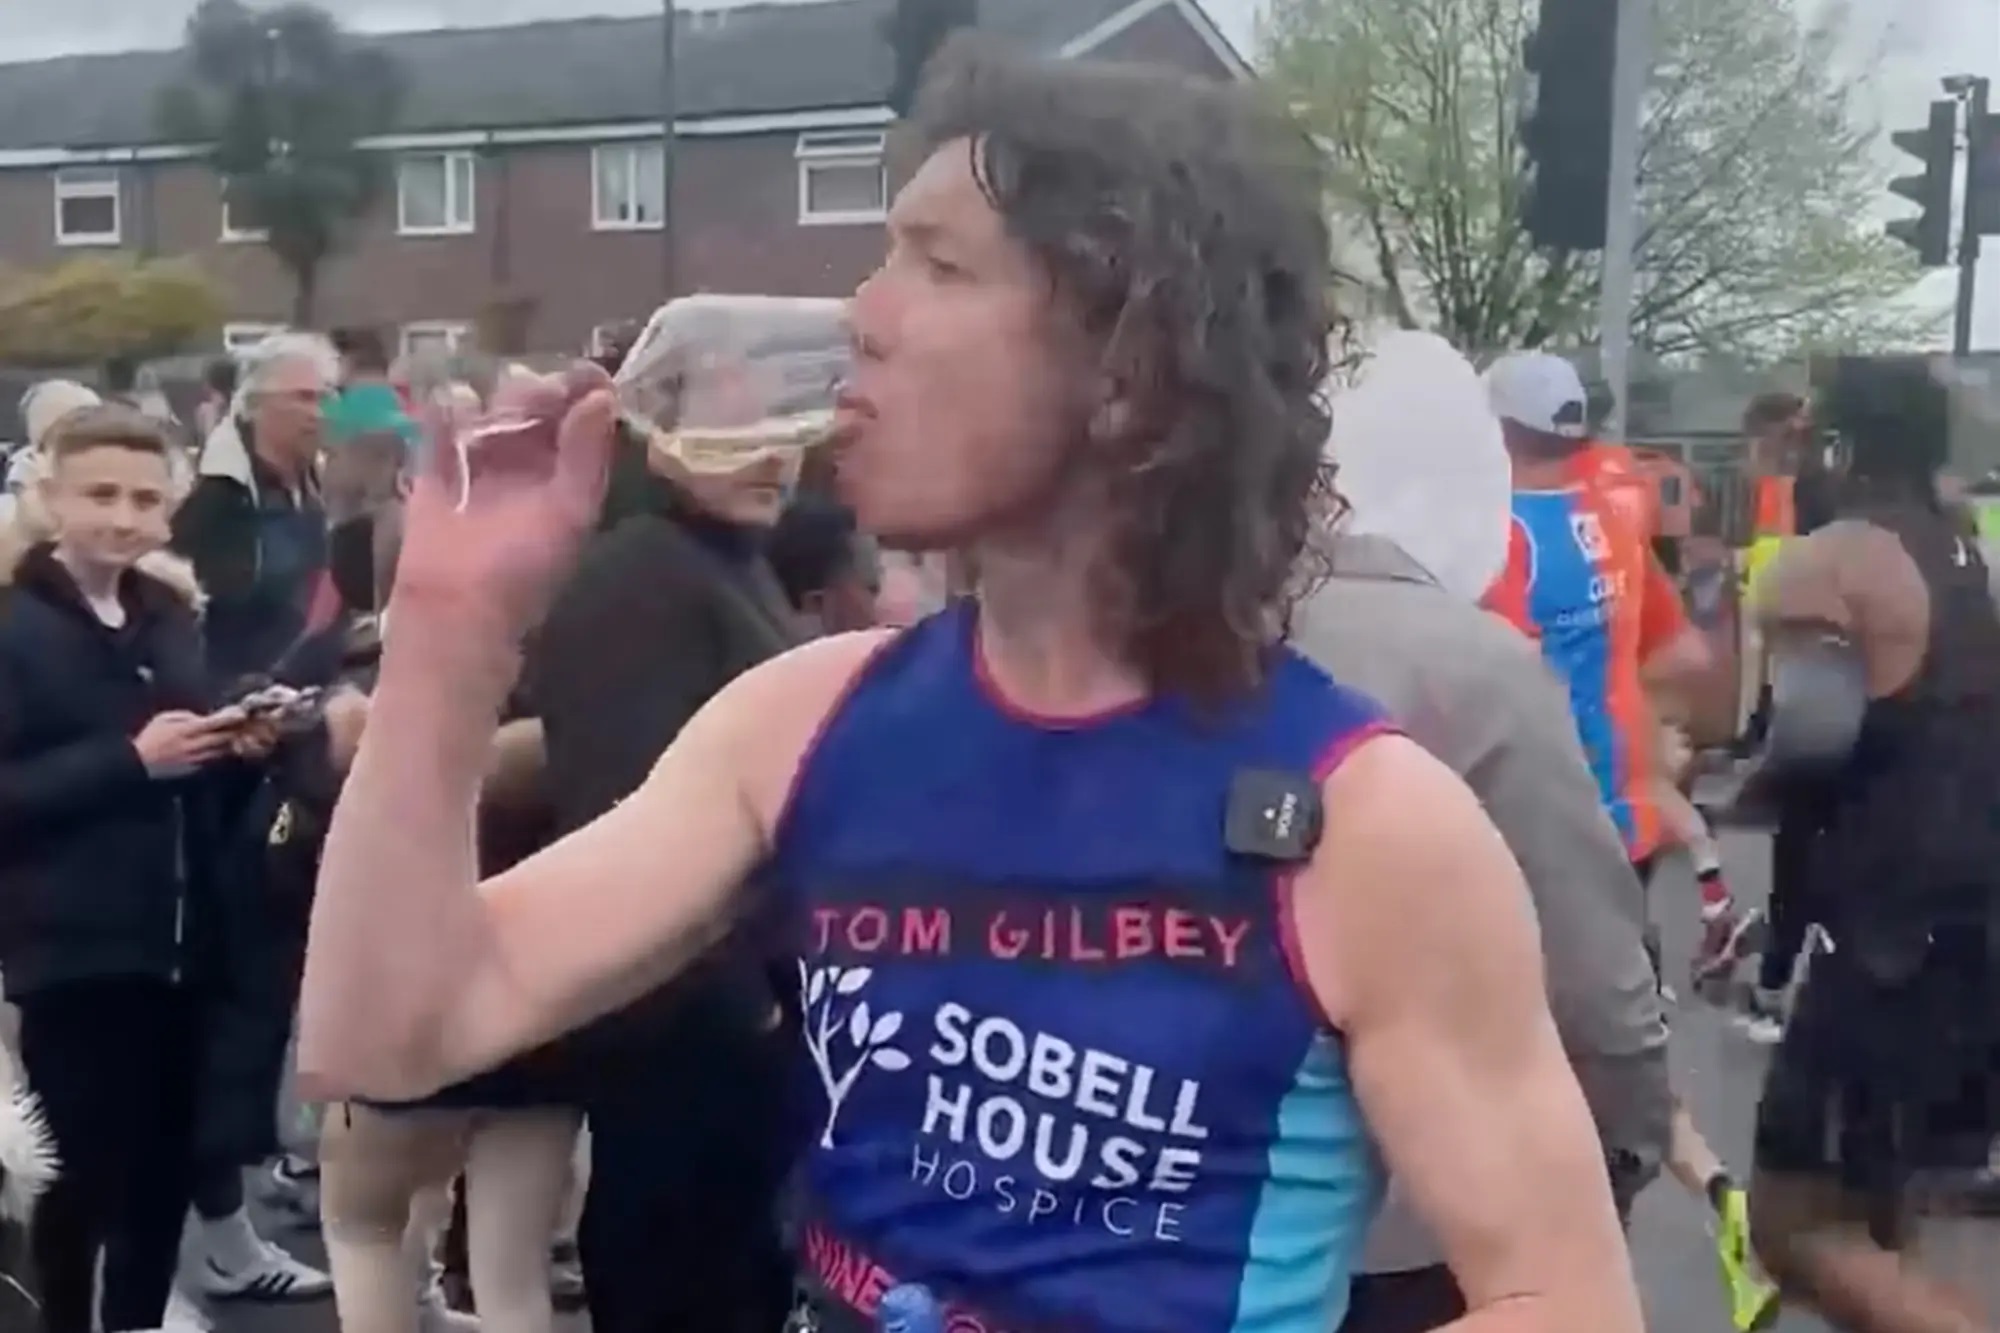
(461, 216)
(242, 335)
(91, 183)
(601, 335)
(632, 152)
(453, 331)
(234, 235)
(847, 149)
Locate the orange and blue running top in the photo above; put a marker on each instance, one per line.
(1581, 580)
(1613, 469)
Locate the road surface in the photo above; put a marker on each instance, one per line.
(1719, 1073)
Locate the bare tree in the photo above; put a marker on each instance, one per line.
(1758, 177)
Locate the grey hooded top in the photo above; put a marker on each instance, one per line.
(1475, 693)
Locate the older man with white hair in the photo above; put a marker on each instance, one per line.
(255, 530)
(1423, 469)
(253, 525)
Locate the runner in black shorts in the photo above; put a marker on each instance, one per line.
(1890, 1067)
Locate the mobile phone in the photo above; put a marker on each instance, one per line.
(288, 707)
(304, 711)
(266, 702)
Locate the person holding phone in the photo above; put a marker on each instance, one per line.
(109, 745)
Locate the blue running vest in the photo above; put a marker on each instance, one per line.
(1062, 1068)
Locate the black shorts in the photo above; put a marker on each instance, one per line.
(1413, 1302)
(1876, 1081)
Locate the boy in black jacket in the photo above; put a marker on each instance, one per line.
(107, 738)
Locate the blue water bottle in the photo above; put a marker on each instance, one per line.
(909, 1308)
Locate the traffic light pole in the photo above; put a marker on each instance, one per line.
(1621, 215)
(1978, 95)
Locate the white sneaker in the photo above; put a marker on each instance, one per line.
(185, 1315)
(274, 1277)
(1762, 1018)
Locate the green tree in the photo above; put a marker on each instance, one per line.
(91, 310)
(283, 99)
(1758, 177)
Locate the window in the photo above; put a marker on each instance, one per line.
(240, 338)
(603, 337)
(628, 187)
(434, 194)
(433, 337)
(87, 211)
(842, 178)
(232, 232)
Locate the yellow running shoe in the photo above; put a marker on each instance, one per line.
(1753, 1299)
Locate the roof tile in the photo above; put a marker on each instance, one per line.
(740, 61)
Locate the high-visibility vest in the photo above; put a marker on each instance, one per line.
(1774, 517)
(1986, 509)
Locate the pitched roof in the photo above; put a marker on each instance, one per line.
(747, 60)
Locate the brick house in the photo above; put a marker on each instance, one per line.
(528, 162)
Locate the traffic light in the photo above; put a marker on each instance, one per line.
(1983, 176)
(1928, 233)
(1572, 60)
(914, 30)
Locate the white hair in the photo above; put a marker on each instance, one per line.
(284, 349)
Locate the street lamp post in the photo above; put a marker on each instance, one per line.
(1621, 217)
(669, 112)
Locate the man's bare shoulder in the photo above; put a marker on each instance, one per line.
(767, 719)
(1832, 573)
(799, 686)
(1397, 814)
(1373, 788)
(830, 660)
(1844, 540)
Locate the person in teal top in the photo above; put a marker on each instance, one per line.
(370, 445)
(368, 408)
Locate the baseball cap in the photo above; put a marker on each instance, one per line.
(1540, 391)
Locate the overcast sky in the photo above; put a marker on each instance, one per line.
(1906, 45)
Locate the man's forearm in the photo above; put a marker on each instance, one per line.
(397, 927)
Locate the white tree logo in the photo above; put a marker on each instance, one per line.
(867, 1033)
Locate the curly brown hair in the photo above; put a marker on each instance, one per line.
(1180, 218)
